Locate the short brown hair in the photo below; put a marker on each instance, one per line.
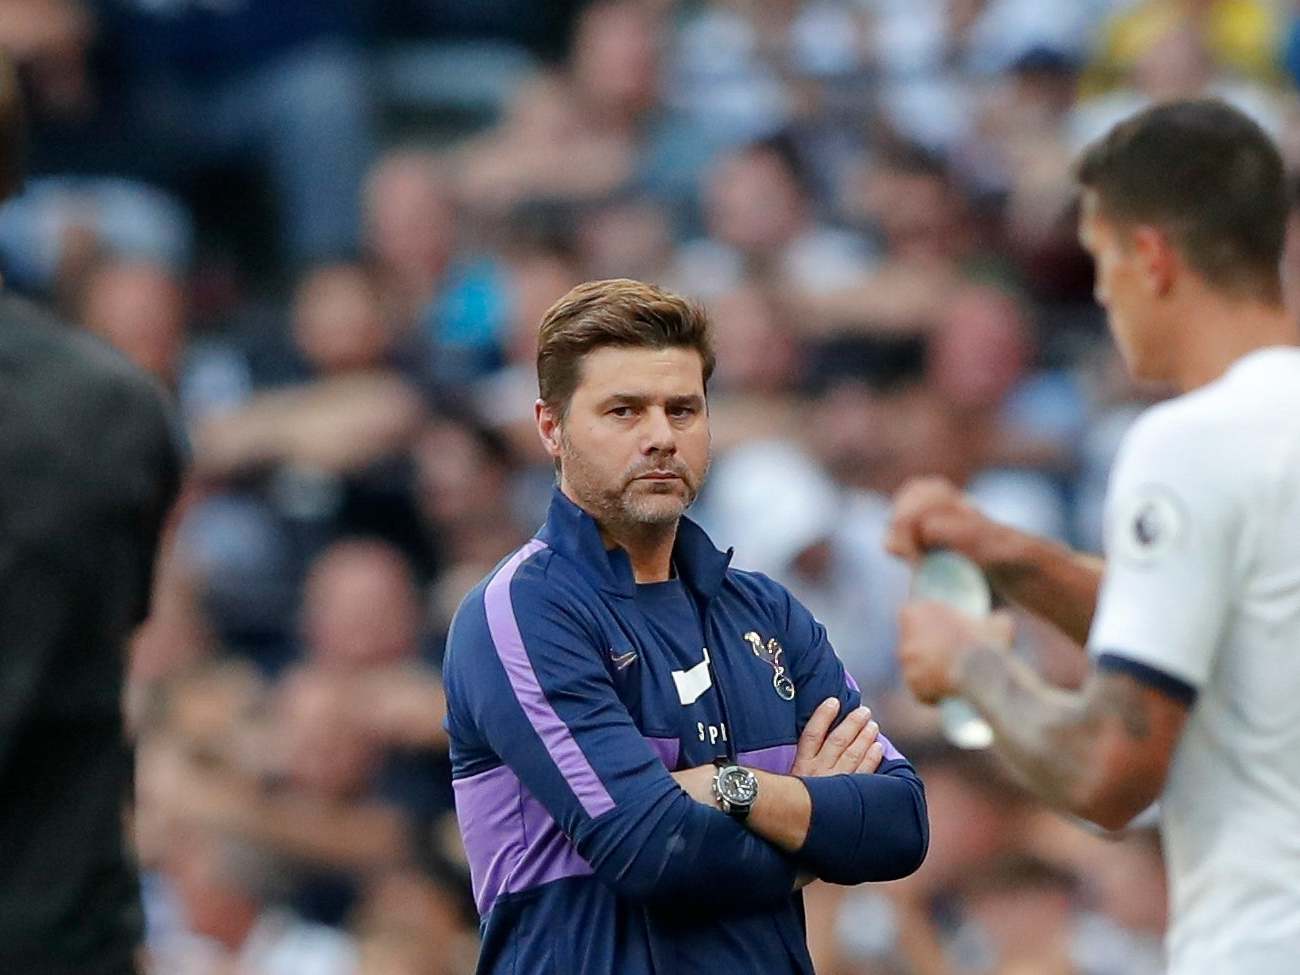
(618, 312)
(1207, 175)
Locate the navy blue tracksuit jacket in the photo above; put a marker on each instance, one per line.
(572, 692)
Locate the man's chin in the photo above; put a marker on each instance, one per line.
(657, 509)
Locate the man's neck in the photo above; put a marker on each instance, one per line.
(649, 548)
(1221, 331)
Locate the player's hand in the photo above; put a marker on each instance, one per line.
(931, 513)
(934, 640)
(851, 748)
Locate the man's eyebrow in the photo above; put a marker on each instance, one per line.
(630, 399)
(687, 399)
(640, 399)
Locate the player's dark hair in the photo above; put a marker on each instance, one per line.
(618, 312)
(1207, 176)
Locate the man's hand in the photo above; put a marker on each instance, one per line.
(930, 513)
(849, 749)
(934, 641)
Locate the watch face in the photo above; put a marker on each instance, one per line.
(738, 786)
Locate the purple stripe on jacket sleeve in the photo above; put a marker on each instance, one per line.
(551, 855)
(487, 809)
(778, 759)
(668, 750)
(555, 734)
(511, 842)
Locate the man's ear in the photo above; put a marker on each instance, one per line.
(1158, 259)
(549, 428)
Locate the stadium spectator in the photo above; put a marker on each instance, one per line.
(141, 310)
(761, 223)
(281, 86)
(409, 924)
(1226, 49)
(590, 129)
(464, 473)
(449, 297)
(226, 891)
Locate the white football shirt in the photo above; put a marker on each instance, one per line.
(1202, 586)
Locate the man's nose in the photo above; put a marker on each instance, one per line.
(659, 435)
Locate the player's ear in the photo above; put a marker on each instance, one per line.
(1158, 260)
(548, 428)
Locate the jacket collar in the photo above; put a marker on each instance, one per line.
(574, 534)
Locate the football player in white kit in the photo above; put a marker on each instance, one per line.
(1193, 620)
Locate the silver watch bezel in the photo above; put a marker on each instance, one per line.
(734, 805)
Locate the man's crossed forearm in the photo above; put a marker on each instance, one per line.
(844, 822)
(783, 811)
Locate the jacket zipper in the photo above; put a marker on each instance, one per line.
(729, 739)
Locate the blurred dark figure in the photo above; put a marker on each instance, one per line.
(88, 472)
(540, 27)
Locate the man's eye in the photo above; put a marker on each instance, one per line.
(621, 411)
(682, 412)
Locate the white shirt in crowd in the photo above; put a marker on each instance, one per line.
(279, 944)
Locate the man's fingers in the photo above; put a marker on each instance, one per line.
(814, 733)
(843, 736)
(871, 761)
(857, 749)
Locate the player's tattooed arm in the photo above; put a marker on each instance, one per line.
(1051, 581)
(1101, 753)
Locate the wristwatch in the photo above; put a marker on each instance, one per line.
(735, 788)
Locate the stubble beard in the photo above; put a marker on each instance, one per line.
(631, 506)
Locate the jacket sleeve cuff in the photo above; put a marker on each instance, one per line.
(837, 820)
(866, 827)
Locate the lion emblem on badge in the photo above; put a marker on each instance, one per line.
(771, 654)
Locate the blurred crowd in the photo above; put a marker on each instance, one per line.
(330, 228)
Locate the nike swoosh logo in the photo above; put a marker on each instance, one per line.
(622, 661)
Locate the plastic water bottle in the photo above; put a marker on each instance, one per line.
(950, 578)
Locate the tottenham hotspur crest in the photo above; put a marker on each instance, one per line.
(771, 653)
